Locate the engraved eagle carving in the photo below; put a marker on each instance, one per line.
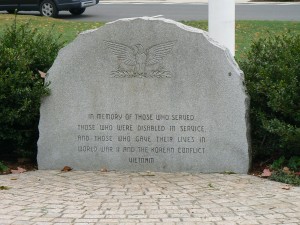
(136, 61)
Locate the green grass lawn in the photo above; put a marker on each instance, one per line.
(67, 29)
(246, 31)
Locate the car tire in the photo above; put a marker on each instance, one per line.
(48, 8)
(12, 11)
(77, 12)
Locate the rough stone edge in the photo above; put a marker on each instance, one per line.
(229, 58)
(227, 53)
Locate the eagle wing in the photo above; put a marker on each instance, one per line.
(157, 52)
(124, 53)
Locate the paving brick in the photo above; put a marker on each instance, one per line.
(63, 220)
(94, 216)
(83, 223)
(134, 212)
(119, 216)
(6, 221)
(45, 198)
(144, 221)
(293, 215)
(42, 219)
(173, 220)
(86, 220)
(226, 223)
(42, 223)
(72, 215)
(158, 216)
(137, 216)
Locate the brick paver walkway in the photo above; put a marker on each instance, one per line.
(63, 198)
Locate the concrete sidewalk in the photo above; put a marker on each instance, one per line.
(90, 198)
(172, 1)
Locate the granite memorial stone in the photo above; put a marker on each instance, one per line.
(145, 94)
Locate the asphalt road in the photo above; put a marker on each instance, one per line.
(178, 12)
(182, 11)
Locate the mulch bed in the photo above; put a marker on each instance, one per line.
(26, 164)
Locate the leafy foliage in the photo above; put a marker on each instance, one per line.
(23, 51)
(3, 167)
(283, 177)
(272, 74)
(294, 163)
(278, 164)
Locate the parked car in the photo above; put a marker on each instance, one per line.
(47, 7)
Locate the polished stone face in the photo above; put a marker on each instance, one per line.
(145, 94)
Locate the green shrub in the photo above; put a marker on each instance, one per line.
(3, 167)
(278, 163)
(294, 163)
(280, 176)
(272, 75)
(23, 51)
